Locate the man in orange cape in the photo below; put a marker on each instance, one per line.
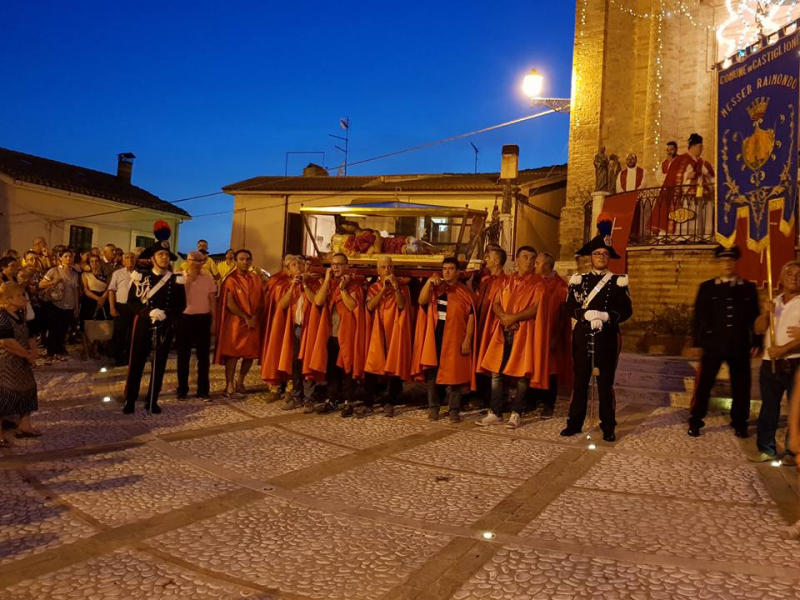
(445, 339)
(489, 289)
(555, 340)
(290, 319)
(238, 332)
(512, 349)
(338, 348)
(276, 287)
(389, 341)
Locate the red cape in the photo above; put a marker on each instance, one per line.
(234, 338)
(389, 339)
(454, 368)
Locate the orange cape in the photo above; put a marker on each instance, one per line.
(490, 289)
(352, 333)
(526, 358)
(274, 322)
(560, 329)
(454, 368)
(389, 340)
(278, 354)
(234, 339)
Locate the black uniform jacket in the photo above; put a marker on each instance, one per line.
(724, 313)
(614, 298)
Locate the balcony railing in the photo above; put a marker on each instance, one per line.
(677, 215)
(668, 216)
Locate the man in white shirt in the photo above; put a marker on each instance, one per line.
(631, 178)
(118, 289)
(780, 362)
(193, 329)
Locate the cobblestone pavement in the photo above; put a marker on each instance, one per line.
(240, 499)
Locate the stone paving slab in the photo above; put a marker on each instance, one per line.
(517, 573)
(356, 433)
(303, 550)
(485, 454)
(745, 534)
(30, 524)
(126, 574)
(59, 386)
(183, 415)
(677, 478)
(414, 491)
(664, 432)
(261, 453)
(74, 427)
(127, 486)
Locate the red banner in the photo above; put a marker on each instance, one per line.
(753, 265)
(621, 208)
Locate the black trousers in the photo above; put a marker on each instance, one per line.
(193, 331)
(606, 345)
(371, 383)
(59, 321)
(739, 366)
(340, 384)
(123, 330)
(141, 348)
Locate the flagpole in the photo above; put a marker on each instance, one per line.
(770, 296)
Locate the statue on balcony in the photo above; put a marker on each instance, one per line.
(601, 170)
(631, 178)
(613, 172)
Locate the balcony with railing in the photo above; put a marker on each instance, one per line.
(680, 215)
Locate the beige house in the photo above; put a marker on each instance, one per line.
(267, 209)
(72, 205)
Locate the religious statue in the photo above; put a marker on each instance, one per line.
(357, 241)
(601, 170)
(614, 170)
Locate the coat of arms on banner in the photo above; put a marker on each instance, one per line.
(749, 186)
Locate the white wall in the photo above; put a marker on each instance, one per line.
(28, 211)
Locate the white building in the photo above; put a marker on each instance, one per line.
(72, 205)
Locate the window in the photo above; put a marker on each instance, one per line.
(80, 237)
(143, 241)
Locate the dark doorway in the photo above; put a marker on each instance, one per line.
(293, 239)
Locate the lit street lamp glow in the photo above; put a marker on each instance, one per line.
(532, 84)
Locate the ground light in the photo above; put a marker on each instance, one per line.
(107, 399)
(103, 369)
(488, 535)
(776, 463)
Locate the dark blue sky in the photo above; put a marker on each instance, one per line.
(206, 94)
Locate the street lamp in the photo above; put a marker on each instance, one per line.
(532, 85)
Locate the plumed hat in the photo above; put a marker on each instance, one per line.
(162, 231)
(596, 243)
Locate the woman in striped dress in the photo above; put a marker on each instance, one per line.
(18, 396)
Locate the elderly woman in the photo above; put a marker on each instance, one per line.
(64, 287)
(93, 302)
(18, 354)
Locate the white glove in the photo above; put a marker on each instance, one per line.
(592, 315)
(157, 315)
(596, 318)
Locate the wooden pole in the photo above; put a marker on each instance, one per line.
(770, 296)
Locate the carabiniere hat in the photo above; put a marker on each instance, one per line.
(722, 252)
(163, 245)
(596, 243)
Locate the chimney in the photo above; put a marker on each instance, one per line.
(509, 165)
(125, 166)
(313, 170)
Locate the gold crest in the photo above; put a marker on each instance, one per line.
(682, 215)
(757, 148)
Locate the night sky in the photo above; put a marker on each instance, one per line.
(206, 94)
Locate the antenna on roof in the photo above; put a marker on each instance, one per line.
(474, 147)
(344, 124)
